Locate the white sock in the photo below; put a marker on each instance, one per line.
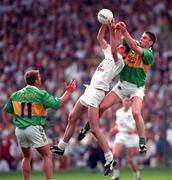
(116, 173)
(62, 145)
(136, 175)
(108, 156)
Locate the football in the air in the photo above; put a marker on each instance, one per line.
(105, 16)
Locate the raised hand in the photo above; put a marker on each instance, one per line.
(71, 86)
(122, 26)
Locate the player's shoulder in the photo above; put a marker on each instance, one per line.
(120, 58)
(14, 94)
(42, 92)
(120, 110)
(147, 51)
(17, 93)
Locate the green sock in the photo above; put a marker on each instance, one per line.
(87, 126)
(142, 140)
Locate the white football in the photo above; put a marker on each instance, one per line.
(105, 16)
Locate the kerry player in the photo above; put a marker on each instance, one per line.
(28, 106)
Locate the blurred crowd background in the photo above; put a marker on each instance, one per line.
(58, 37)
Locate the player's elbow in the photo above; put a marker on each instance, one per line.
(136, 49)
(62, 103)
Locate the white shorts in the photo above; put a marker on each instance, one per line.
(31, 135)
(92, 97)
(128, 140)
(123, 89)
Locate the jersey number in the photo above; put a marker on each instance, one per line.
(29, 108)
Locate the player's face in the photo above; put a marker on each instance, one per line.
(121, 49)
(126, 102)
(38, 81)
(145, 41)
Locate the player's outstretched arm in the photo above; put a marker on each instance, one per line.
(130, 41)
(69, 89)
(101, 35)
(113, 43)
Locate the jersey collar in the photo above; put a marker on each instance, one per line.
(33, 87)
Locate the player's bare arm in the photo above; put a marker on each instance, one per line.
(130, 41)
(100, 36)
(114, 130)
(69, 89)
(113, 40)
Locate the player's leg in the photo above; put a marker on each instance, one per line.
(110, 99)
(116, 149)
(25, 164)
(84, 131)
(77, 111)
(130, 158)
(136, 111)
(37, 137)
(93, 115)
(47, 160)
(26, 151)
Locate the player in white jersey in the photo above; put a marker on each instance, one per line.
(94, 94)
(126, 136)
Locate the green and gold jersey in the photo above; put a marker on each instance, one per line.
(29, 106)
(136, 67)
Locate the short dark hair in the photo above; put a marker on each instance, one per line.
(152, 36)
(127, 48)
(31, 76)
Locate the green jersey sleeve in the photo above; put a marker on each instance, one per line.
(147, 56)
(49, 101)
(9, 107)
(124, 41)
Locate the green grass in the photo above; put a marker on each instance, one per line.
(126, 174)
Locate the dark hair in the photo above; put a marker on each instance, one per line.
(31, 76)
(127, 47)
(152, 36)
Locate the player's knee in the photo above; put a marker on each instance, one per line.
(71, 118)
(136, 114)
(27, 156)
(47, 155)
(102, 107)
(129, 159)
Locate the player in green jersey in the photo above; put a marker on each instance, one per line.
(29, 106)
(132, 80)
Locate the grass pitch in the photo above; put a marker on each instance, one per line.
(126, 174)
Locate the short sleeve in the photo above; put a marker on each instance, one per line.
(147, 56)
(49, 101)
(9, 106)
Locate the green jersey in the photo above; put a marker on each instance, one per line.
(29, 106)
(136, 67)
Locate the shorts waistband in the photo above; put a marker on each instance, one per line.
(125, 83)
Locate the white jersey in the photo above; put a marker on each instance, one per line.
(107, 70)
(125, 120)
